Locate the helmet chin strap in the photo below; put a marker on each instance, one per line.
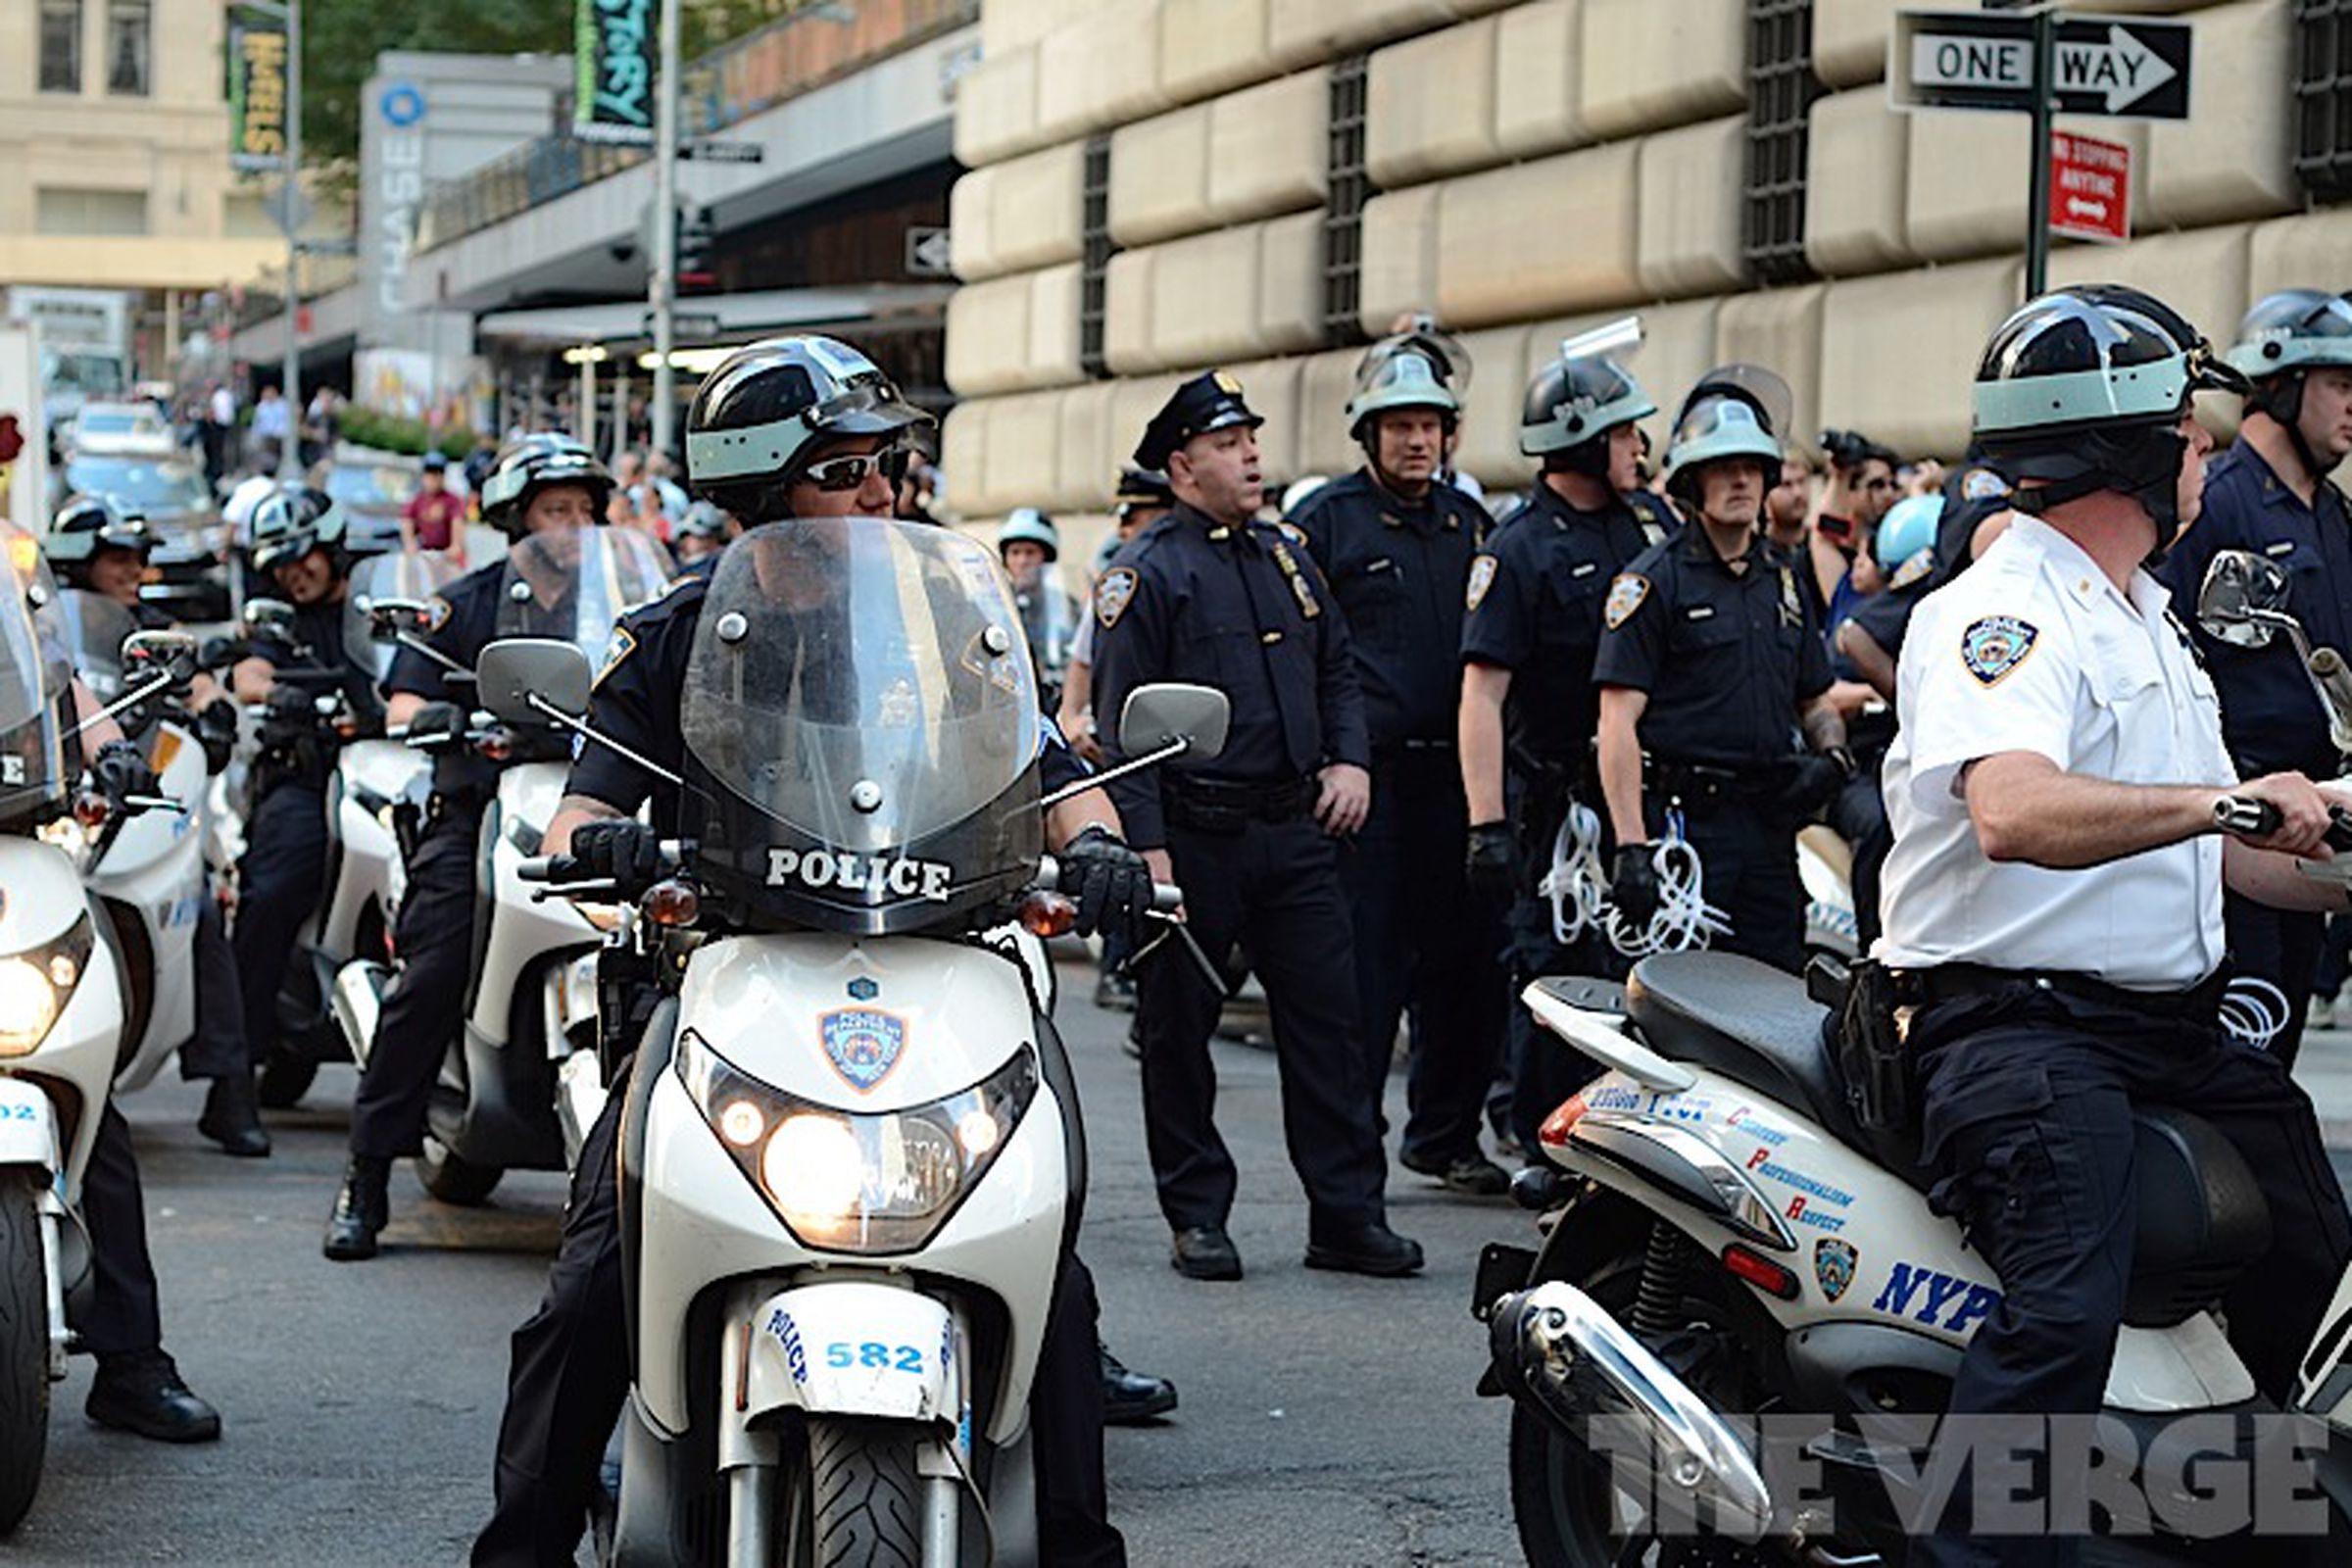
(2281, 398)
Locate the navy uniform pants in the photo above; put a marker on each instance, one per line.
(1275, 887)
(1747, 867)
(1426, 953)
(278, 884)
(122, 1316)
(218, 1049)
(2282, 947)
(2027, 1121)
(569, 1378)
(425, 1006)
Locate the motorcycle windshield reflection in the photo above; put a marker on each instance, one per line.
(1049, 620)
(40, 755)
(95, 628)
(401, 574)
(861, 721)
(573, 584)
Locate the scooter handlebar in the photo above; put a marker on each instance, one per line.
(2251, 818)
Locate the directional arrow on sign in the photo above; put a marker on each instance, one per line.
(2121, 67)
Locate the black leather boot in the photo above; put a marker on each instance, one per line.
(361, 1208)
(1130, 1397)
(141, 1391)
(232, 1118)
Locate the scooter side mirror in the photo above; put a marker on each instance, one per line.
(170, 653)
(2244, 599)
(514, 670)
(388, 618)
(1168, 712)
(269, 617)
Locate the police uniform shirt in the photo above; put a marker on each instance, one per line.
(465, 622)
(1726, 656)
(1398, 569)
(1241, 609)
(1534, 608)
(2032, 649)
(2270, 717)
(639, 701)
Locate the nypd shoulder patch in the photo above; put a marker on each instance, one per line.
(1984, 484)
(1995, 645)
(622, 645)
(1626, 595)
(1113, 594)
(1481, 579)
(437, 612)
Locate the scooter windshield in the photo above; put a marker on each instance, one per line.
(401, 574)
(39, 754)
(573, 584)
(95, 628)
(861, 712)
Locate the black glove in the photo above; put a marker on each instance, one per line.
(1487, 861)
(437, 722)
(1633, 883)
(1111, 882)
(622, 851)
(219, 653)
(216, 732)
(121, 771)
(1815, 778)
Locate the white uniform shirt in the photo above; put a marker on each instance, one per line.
(2033, 650)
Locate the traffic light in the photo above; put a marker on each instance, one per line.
(696, 232)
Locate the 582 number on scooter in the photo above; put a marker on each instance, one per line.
(843, 1355)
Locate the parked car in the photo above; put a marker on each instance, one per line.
(374, 489)
(123, 429)
(188, 575)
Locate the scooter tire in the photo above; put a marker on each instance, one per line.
(285, 1078)
(865, 1497)
(453, 1179)
(23, 1347)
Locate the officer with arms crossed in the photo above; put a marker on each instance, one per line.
(2271, 494)
(1212, 595)
(1709, 663)
(2053, 903)
(830, 426)
(1531, 626)
(540, 485)
(1396, 542)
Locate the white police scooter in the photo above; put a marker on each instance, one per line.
(851, 1150)
(1724, 1239)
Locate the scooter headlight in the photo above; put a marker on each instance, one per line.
(36, 985)
(851, 1182)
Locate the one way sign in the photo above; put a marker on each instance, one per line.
(2121, 67)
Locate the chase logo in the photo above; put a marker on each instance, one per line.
(1937, 1298)
(863, 1043)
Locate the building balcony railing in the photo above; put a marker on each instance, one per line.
(794, 55)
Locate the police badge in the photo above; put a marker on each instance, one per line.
(1994, 646)
(1834, 1264)
(863, 1043)
(1481, 579)
(1112, 593)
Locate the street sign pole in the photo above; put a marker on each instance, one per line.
(663, 285)
(2037, 207)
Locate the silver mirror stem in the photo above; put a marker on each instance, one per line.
(126, 700)
(419, 645)
(1094, 781)
(580, 726)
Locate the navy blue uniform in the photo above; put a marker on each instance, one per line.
(570, 1367)
(1534, 608)
(1243, 608)
(1859, 812)
(2270, 717)
(1727, 658)
(1425, 949)
(433, 931)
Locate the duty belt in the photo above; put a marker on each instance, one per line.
(1226, 804)
(1695, 781)
(1954, 982)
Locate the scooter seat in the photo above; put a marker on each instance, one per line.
(2202, 1219)
(1747, 1020)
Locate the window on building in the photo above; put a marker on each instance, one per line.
(127, 47)
(61, 45)
(64, 210)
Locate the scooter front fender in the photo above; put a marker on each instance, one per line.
(852, 1349)
(28, 1127)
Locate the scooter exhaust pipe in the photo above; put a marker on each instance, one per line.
(1556, 1351)
(357, 1000)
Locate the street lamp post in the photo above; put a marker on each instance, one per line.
(289, 456)
(661, 287)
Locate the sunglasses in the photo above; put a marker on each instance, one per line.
(850, 472)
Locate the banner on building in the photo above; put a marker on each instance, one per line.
(256, 95)
(615, 48)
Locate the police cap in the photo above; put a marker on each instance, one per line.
(1209, 401)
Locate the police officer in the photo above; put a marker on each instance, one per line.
(102, 548)
(2053, 901)
(1027, 544)
(540, 485)
(702, 533)
(1395, 542)
(299, 548)
(1530, 630)
(831, 429)
(2271, 494)
(1709, 668)
(1213, 595)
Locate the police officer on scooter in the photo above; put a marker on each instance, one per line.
(1712, 674)
(1396, 543)
(2271, 493)
(824, 431)
(2054, 903)
(540, 485)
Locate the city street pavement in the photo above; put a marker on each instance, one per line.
(1325, 1419)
